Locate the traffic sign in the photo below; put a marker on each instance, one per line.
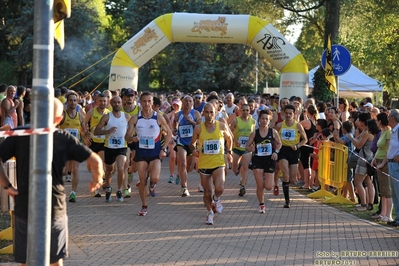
(341, 59)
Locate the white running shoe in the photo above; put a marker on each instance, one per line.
(219, 206)
(209, 218)
(262, 209)
(185, 192)
(200, 188)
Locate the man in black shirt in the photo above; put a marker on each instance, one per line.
(65, 147)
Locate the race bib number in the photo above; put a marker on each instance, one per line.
(211, 146)
(264, 149)
(115, 142)
(186, 131)
(243, 141)
(288, 134)
(73, 131)
(146, 142)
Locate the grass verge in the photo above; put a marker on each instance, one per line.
(366, 215)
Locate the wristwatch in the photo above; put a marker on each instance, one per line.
(229, 152)
(8, 186)
(276, 151)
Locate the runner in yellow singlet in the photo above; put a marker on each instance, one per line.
(242, 126)
(131, 108)
(292, 136)
(73, 123)
(91, 120)
(210, 136)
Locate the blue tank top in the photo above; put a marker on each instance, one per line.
(184, 128)
(199, 108)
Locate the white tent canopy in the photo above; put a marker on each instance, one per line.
(353, 83)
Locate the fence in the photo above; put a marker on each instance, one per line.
(7, 204)
(333, 171)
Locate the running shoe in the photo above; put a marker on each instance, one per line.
(209, 218)
(129, 188)
(177, 181)
(185, 192)
(287, 204)
(143, 211)
(108, 196)
(261, 209)
(242, 191)
(72, 197)
(171, 179)
(200, 188)
(69, 178)
(152, 189)
(276, 191)
(119, 196)
(97, 194)
(219, 206)
(126, 193)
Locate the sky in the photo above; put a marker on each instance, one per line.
(296, 31)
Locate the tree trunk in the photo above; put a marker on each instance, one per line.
(332, 20)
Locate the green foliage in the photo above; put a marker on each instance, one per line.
(7, 73)
(369, 29)
(372, 36)
(321, 91)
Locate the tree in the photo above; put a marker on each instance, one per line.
(309, 13)
(83, 37)
(370, 32)
(85, 46)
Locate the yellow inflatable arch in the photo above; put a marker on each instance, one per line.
(211, 28)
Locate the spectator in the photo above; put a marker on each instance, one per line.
(393, 162)
(385, 214)
(363, 143)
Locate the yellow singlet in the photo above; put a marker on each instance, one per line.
(72, 125)
(242, 131)
(135, 111)
(289, 135)
(94, 120)
(211, 147)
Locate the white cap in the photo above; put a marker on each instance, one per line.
(368, 105)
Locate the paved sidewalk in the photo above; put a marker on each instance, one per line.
(174, 231)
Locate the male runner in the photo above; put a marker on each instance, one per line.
(145, 129)
(292, 136)
(114, 125)
(211, 135)
(184, 123)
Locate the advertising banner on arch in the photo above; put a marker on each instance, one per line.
(272, 45)
(146, 44)
(210, 28)
(294, 84)
(123, 77)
